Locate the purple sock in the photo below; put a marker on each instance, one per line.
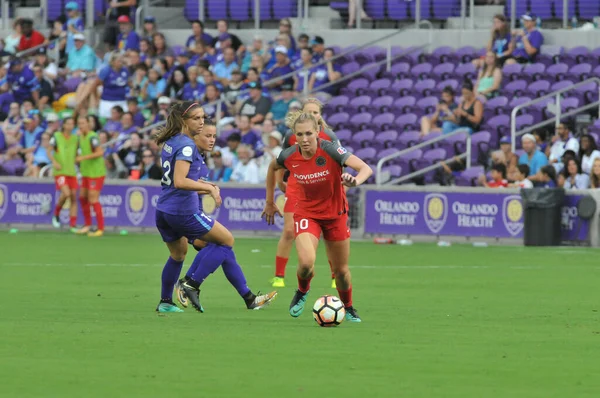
(207, 261)
(234, 274)
(169, 278)
(197, 261)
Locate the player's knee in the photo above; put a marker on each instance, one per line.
(228, 239)
(341, 271)
(288, 234)
(306, 261)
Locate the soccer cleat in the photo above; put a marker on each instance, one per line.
(297, 304)
(262, 300)
(352, 315)
(83, 231)
(73, 230)
(55, 222)
(181, 297)
(168, 307)
(95, 234)
(333, 284)
(277, 282)
(192, 294)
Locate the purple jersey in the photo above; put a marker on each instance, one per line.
(114, 83)
(177, 201)
(192, 93)
(535, 39)
(254, 139)
(22, 84)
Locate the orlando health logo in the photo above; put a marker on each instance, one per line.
(512, 214)
(3, 200)
(136, 204)
(435, 207)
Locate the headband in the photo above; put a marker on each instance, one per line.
(189, 107)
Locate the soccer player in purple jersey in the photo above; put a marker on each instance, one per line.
(179, 216)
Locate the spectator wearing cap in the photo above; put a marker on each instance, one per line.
(82, 59)
(46, 94)
(31, 133)
(223, 69)
(249, 136)
(281, 68)
(198, 36)
(224, 43)
(150, 27)
(532, 157)
(192, 90)
(73, 25)
(246, 169)
(49, 68)
(39, 157)
(511, 159)
(280, 107)
(562, 141)
(468, 115)
(236, 43)
(117, 9)
(257, 48)
(219, 172)
(30, 37)
(318, 48)
(257, 106)
(271, 151)
(160, 112)
(128, 39)
(22, 82)
(133, 107)
(270, 57)
(52, 123)
(326, 74)
(528, 41)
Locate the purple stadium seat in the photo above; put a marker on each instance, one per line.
(513, 71)
(523, 121)
(431, 157)
(538, 89)
(588, 9)
(516, 102)
(364, 57)
(381, 104)
(356, 87)
(345, 136)
(468, 177)
(363, 139)
(397, 10)
(403, 105)
(494, 106)
(374, 9)
(386, 139)
(379, 87)
(408, 138)
(394, 170)
(452, 83)
(338, 121)
(520, 8)
(424, 87)
(533, 72)
(360, 121)
(443, 71)
(336, 104)
(538, 110)
(576, 55)
(579, 72)
(464, 55)
(455, 144)
(285, 9)
(480, 144)
(516, 87)
(239, 10)
(560, 85)
(567, 104)
(406, 122)
(421, 71)
(216, 9)
(441, 55)
(542, 8)
(371, 71)
(402, 87)
(368, 155)
(397, 71)
(359, 104)
(465, 71)
(497, 126)
(559, 9)
(556, 72)
(425, 106)
(384, 121)
(408, 161)
(349, 68)
(587, 93)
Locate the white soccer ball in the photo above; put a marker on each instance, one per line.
(329, 311)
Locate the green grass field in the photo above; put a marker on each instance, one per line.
(78, 320)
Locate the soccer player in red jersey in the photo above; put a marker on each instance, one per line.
(314, 107)
(322, 206)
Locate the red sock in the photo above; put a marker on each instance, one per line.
(331, 268)
(73, 221)
(99, 215)
(57, 210)
(280, 263)
(304, 284)
(346, 296)
(87, 212)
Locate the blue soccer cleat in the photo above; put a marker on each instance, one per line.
(297, 304)
(168, 307)
(352, 315)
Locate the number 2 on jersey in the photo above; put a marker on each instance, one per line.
(166, 180)
(303, 224)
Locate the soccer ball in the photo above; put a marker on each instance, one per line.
(329, 311)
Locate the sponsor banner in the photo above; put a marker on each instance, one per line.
(133, 206)
(493, 215)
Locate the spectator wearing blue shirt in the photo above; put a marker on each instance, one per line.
(528, 42)
(249, 136)
(22, 82)
(223, 69)
(500, 42)
(318, 48)
(39, 157)
(133, 107)
(113, 79)
(532, 157)
(281, 68)
(198, 36)
(302, 78)
(192, 90)
(31, 133)
(219, 172)
(280, 107)
(325, 74)
(547, 177)
(153, 88)
(211, 96)
(74, 24)
(257, 48)
(82, 59)
(271, 56)
(285, 28)
(127, 39)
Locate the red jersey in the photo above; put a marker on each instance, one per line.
(321, 194)
(498, 184)
(29, 42)
(288, 141)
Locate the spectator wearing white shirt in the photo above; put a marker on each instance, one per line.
(588, 153)
(561, 142)
(271, 151)
(521, 175)
(572, 177)
(246, 170)
(595, 174)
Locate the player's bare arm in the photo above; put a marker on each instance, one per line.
(180, 181)
(270, 207)
(98, 153)
(363, 169)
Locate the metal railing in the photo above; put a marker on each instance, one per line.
(467, 154)
(33, 50)
(556, 119)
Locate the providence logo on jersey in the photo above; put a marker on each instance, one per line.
(3, 200)
(136, 204)
(512, 214)
(435, 208)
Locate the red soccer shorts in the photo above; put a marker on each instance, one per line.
(290, 204)
(333, 230)
(92, 184)
(69, 181)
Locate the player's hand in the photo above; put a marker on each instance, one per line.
(56, 166)
(78, 159)
(269, 212)
(348, 180)
(216, 195)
